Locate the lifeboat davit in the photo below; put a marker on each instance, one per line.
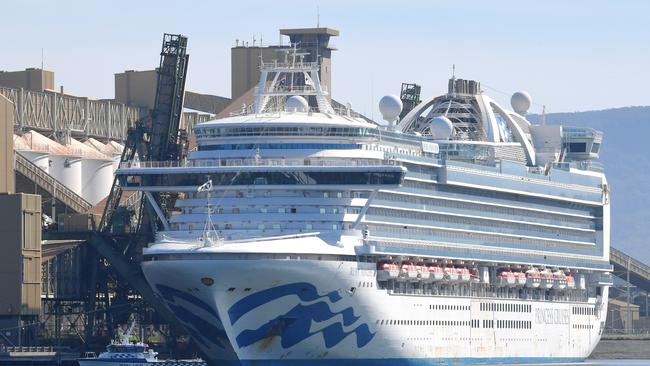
(547, 278)
(559, 280)
(435, 272)
(520, 278)
(474, 274)
(451, 274)
(387, 270)
(409, 271)
(533, 278)
(570, 281)
(506, 278)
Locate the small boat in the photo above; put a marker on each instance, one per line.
(450, 274)
(559, 280)
(463, 274)
(506, 278)
(533, 278)
(570, 281)
(387, 270)
(409, 271)
(126, 353)
(435, 272)
(520, 278)
(548, 281)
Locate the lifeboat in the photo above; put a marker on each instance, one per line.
(387, 270)
(506, 278)
(559, 280)
(423, 272)
(570, 281)
(409, 271)
(547, 278)
(450, 274)
(435, 272)
(463, 274)
(520, 278)
(533, 278)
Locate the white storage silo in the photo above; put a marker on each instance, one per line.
(114, 150)
(64, 164)
(39, 157)
(96, 172)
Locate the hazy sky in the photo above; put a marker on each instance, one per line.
(570, 55)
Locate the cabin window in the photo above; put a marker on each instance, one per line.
(282, 210)
(264, 210)
(309, 226)
(577, 147)
(595, 147)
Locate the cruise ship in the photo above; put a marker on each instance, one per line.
(307, 235)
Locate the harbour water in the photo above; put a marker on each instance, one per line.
(611, 362)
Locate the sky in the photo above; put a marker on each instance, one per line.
(569, 55)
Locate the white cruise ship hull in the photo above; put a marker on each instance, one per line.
(300, 311)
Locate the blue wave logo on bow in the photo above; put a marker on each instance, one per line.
(295, 325)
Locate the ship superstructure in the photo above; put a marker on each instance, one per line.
(460, 234)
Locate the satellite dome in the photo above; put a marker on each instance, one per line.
(390, 107)
(297, 103)
(520, 102)
(441, 128)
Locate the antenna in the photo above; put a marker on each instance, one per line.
(317, 17)
(42, 58)
(543, 118)
(453, 71)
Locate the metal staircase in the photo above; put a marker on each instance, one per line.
(48, 183)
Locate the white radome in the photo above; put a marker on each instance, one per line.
(441, 128)
(390, 107)
(297, 103)
(520, 102)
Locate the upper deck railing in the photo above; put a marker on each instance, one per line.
(258, 162)
(307, 66)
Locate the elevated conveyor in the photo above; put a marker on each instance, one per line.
(639, 271)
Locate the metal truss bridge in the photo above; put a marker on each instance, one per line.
(64, 116)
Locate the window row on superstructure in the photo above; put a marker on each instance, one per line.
(452, 221)
(491, 196)
(440, 234)
(479, 207)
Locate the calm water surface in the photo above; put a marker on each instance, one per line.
(603, 363)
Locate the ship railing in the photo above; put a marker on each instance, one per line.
(279, 110)
(270, 66)
(297, 89)
(589, 165)
(258, 162)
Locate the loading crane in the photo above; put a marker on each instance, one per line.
(156, 137)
